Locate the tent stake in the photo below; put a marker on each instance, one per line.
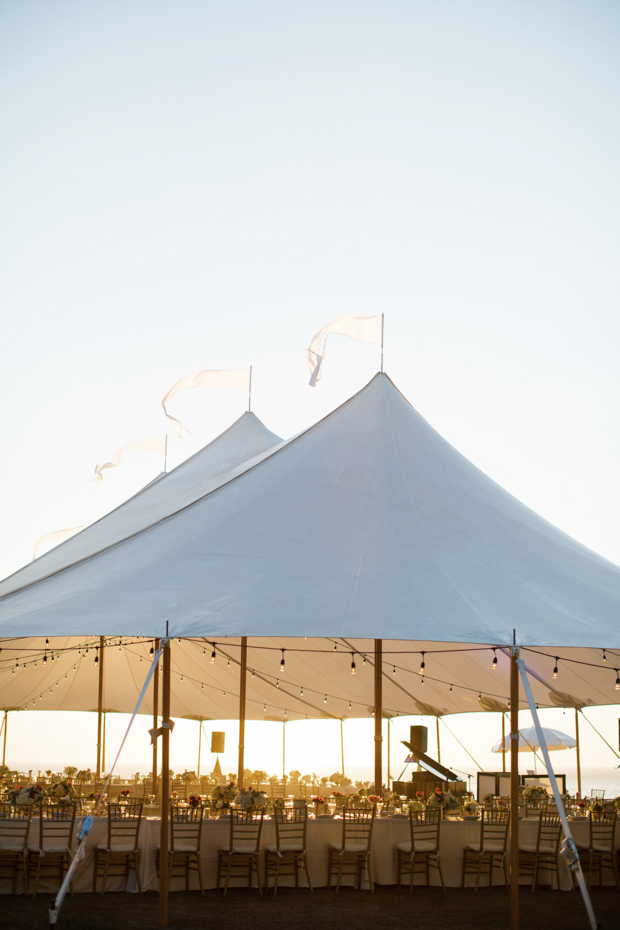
(514, 791)
(155, 715)
(378, 714)
(243, 670)
(165, 791)
(578, 752)
(100, 707)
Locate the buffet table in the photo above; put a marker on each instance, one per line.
(455, 835)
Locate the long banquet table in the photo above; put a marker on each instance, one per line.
(455, 835)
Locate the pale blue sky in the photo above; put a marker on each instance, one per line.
(205, 185)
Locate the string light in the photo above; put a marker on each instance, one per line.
(394, 670)
(335, 647)
(152, 651)
(364, 662)
(302, 692)
(353, 663)
(213, 653)
(450, 689)
(252, 673)
(604, 655)
(494, 662)
(45, 659)
(422, 665)
(555, 668)
(349, 705)
(277, 682)
(264, 708)
(282, 662)
(325, 699)
(96, 662)
(617, 680)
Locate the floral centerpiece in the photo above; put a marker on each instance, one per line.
(194, 800)
(248, 799)
(388, 797)
(318, 802)
(338, 797)
(534, 793)
(25, 797)
(617, 804)
(417, 804)
(125, 793)
(363, 793)
(62, 791)
(223, 796)
(83, 775)
(354, 798)
(373, 799)
(443, 800)
(471, 808)
(597, 807)
(278, 803)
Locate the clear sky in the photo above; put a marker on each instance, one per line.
(205, 185)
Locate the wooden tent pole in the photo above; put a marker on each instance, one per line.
(342, 744)
(100, 708)
(243, 669)
(378, 715)
(199, 746)
(387, 784)
(283, 758)
(155, 717)
(514, 792)
(577, 747)
(438, 742)
(165, 790)
(504, 742)
(103, 746)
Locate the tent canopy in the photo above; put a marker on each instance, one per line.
(368, 523)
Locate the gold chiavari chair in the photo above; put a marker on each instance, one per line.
(289, 851)
(121, 853)
(53, 854)
(543, 856)
(422, 852)
(354, 850)
(491, 850)
(14, 827)
(600, 854)
(184, 849)
(243, 851)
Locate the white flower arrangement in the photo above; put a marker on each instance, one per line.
(223, 796)
(248, 799)
(471, 808)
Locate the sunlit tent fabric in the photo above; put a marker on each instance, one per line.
(192, 479)
(367, 523)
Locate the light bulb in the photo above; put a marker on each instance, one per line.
(282, 662)
(494, 662)
(44, 660)
(353, 663)
(617, 680)
(213, 653)
(422, 665)
(555, 668)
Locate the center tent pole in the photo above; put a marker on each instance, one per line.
(6, 721)
(242, 689)
(100, 708)
(514, 791)
(438, 743)
(504, 742)
(342, 744)
(155, 716)
(165, 790)
(578, 749)
(378, 715)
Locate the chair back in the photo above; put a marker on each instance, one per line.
(598, 793)
(245, 830)
(14, 825)
(124, 823)
(291, 824)
(603, 830)
(494, 829)
(56, 825)
(357, 827)
(549, 830)
(277, 787)
(424, 827)
(185, 828)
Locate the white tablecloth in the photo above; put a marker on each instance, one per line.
(455, 835)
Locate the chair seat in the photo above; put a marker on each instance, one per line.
(11, 849)
(489, 848)
(181, 847)
(352, 847)
(243, 848)
(117, 847)
(48, 850)
(601, 848)
(548, 850)
(286, 848)
(421, 847)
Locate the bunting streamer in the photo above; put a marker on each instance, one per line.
(362, 328)
(238, 379)
(156, 445)
(58, 534)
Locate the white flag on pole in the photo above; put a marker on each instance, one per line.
(156, 445)
(362, 328)
(238, 379)
(59, 534)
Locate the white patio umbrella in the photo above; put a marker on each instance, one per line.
(528, 740)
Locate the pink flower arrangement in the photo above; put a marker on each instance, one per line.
(318, 800)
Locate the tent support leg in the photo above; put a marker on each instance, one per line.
(155, 716)
(378, 715)
(243, 675)
(514, 791)
(165, 791)
(578, 752)
(100, 708)
(575, 864)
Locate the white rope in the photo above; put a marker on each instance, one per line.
(87, 822)
(569, 849)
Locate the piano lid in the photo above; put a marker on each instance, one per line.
(435, 768)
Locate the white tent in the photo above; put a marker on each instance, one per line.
(367, 522)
